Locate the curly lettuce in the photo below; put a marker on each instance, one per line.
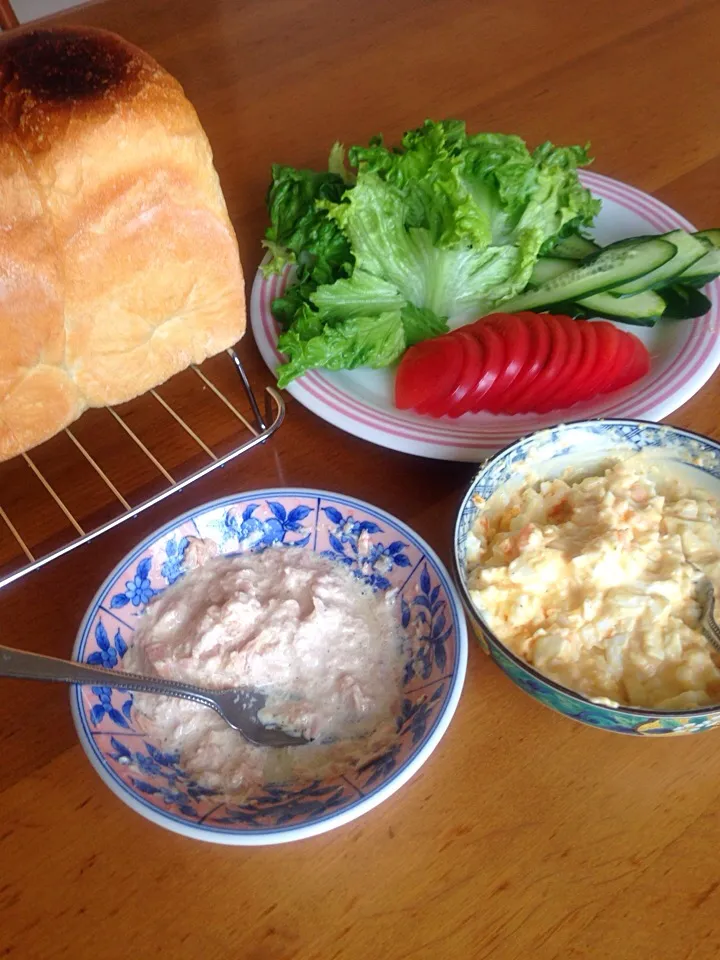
(410, 240)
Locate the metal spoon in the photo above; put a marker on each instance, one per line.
(238, 707)
(705, 593)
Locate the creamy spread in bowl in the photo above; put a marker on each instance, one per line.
(593, 582)
(325, 648)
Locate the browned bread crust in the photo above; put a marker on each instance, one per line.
(118, 263)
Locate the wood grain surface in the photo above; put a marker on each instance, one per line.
(526, 835)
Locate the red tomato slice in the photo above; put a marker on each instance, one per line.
(460, 401)
(537, 358)
(635, 365)
(573, 389)
(608, 343)
(625, 353)
(491, 343)
(428, 372)
(639, 365)
(572, 363)
(547, 379)
(516, 340)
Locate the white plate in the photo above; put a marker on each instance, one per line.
(684, 357)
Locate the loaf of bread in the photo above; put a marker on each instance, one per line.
(118, 263)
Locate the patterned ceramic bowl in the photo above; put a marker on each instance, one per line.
(584, 445)
(380, 550)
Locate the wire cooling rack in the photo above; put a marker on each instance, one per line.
(74, 529)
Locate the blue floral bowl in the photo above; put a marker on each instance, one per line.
(584, 445)
(152, 781)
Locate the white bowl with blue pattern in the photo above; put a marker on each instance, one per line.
(378, 548)
(584, 445)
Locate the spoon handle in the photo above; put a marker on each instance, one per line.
(711, 630)
(35, 666)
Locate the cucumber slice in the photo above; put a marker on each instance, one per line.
(704, 268)
(689, 250)
(640, 308)
(712, 237)
(574, 248)
(699, 282)
(684, 303)
(547, 268)
(707, 268)
(605, 271)
(631, 241)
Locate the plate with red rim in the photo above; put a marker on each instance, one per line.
(684, 355)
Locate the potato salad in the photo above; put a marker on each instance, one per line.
(594, 582)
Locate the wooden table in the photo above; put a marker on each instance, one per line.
(526, 835)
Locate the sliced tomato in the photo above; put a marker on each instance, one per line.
(625, 352)
(633, 364)
(515, 335)
(474, 364)
(573, 389)
(547, 379)
(572, 363)
(493, 348)
(428, 372)
(511, 402)
(608, 337)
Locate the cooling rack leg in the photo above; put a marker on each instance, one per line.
(262, 425)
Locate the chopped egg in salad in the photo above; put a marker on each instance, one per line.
(594, 581)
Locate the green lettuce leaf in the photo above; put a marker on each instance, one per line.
(427, 172)
(456, 281)
(420, 323)
(519, 189)
(300, 232)
(370, 341)
(360, 294)
(375, 340)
